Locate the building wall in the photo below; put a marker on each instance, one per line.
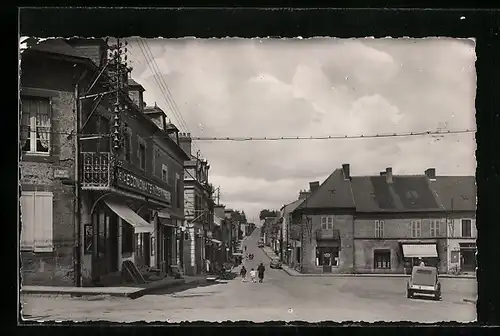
(52, 79)
(455, 237)
(344, 223)
(397, 228)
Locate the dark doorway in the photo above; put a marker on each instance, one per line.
(468, 260)
(112, 243)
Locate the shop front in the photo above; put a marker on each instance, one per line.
(468, 257)
(117, 220)
(414, 254)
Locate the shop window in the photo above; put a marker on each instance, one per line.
(466, 228)
(35, 125)
(327, 256)
(127, 238)
(382, 259)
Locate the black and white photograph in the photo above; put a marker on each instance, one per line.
(247, 179)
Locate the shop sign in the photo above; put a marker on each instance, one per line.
(130, 181)
(62, 174)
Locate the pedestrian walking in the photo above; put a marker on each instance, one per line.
(253, 275)
(243, 273)
(261, 270)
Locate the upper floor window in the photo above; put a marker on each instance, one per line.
(164, 173)
(466, 228)
(35, 125)
(416, 228)
(379, 228)
(327, 222)
(141, 152)
(178, 191)
(435, 228)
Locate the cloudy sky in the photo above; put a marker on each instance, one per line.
(314, 87)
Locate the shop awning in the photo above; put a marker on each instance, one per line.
(128, 215)
(218, 242)
(420, 251)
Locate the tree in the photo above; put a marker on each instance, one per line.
(268, 213)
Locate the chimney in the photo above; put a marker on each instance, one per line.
(383, 173)
(388, 174)
(185, 142)
(346, 169)
(431, 173)
(313, 186)
(303, 194)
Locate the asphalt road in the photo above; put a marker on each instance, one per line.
(280, 297)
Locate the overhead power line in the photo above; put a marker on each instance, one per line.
(335, 137)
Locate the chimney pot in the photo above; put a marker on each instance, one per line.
(383, 173)
(388, 174)
(313, 186)
(346, 169)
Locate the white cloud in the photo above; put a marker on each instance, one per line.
(237, 87)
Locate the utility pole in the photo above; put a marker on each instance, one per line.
(116, 66)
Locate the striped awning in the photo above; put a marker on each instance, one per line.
(420, 251)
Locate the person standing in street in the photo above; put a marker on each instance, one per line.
(261, 270)
(243, 273)
(253, 274)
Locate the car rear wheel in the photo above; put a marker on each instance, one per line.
(409, 294)
(437, 296)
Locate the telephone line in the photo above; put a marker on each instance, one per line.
(335, 137)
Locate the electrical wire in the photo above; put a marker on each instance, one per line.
(149, 57)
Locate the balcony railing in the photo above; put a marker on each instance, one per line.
(97, 170)
(327, 234)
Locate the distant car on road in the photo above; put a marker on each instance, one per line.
(260, 244)
(424, 281)
(275, 263)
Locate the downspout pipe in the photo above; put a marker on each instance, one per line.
(78, 219)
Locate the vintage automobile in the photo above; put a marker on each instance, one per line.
(275, 263)
(260, 244)
(424, 281)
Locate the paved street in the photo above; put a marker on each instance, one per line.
(280, 297)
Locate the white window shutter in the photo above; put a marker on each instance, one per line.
(44, 222)
(376, 228)
(381, 228)
(27, 220)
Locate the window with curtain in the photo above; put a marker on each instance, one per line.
(35, 125)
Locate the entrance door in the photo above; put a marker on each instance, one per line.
(468, 260)
(327, 262)
(112, 243)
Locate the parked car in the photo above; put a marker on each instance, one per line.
(424, 281)
(260, 244)
(275, 263)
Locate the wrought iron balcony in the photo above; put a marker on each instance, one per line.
(333, 234)
(97, 170)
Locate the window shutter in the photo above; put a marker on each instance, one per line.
(43, 227)
(27, 220)
(377, 223)
(381, 228)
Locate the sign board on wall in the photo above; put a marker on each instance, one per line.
(130, 181)
(61, 174)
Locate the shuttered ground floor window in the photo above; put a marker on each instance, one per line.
(36, 221)
(382, 259)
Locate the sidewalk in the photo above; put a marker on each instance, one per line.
(292, 272)
(123, 291)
